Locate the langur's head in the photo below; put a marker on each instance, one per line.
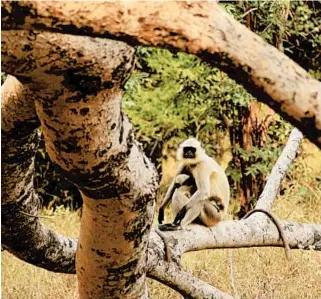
(190, 151)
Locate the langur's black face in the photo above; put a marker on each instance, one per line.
(189, 152)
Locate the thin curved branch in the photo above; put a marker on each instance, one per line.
(200, 28)
(279, 169)
(180, 280)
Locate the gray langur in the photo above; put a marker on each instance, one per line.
(200, 190)
(211, 199)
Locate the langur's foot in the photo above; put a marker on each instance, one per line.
(169, 227)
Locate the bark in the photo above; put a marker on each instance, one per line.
(77, 83)
(21, 230)
(253, 232)
(214, 36)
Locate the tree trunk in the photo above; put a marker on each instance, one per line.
(76, 82)
(249, 131)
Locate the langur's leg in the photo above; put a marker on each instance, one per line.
(190, 211)
(218, 202)
(210, 215)
(187, 214)
(178, 201)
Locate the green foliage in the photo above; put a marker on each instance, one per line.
(267, 155)
(171, 97)
(174, 96)
(301, 31)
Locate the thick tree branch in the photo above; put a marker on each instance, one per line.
(24, 235)
(76, 81)
(201, 28)
(252, 232)
(16, 62)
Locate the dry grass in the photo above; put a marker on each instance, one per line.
(24, 281)
(258, 272)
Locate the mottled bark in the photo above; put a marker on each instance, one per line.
(77, 84)
(21, 230)
(201, 28)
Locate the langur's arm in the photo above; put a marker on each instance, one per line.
(202, 180)
(168, 196)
